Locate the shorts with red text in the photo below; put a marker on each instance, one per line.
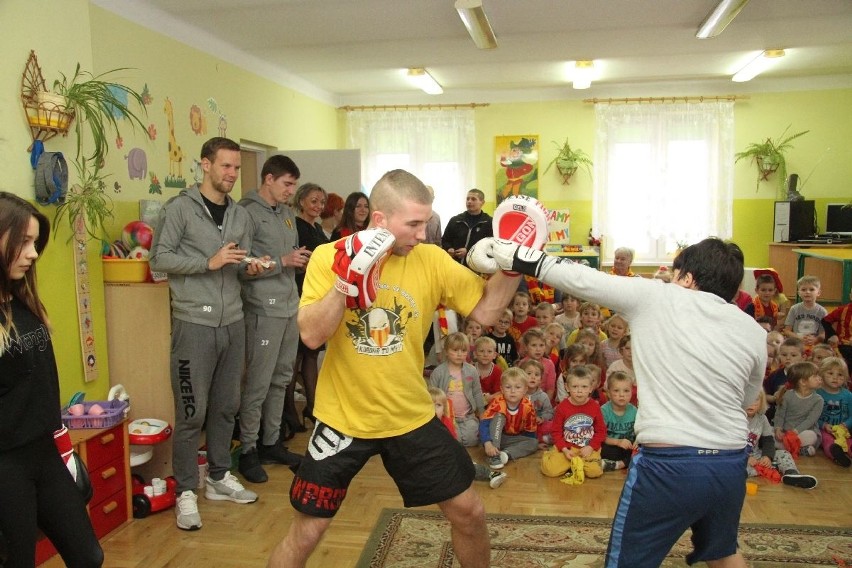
(427, 464)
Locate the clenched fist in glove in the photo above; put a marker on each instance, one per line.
(358, 263)
(492, 254)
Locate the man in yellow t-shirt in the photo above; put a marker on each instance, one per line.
(371, 396)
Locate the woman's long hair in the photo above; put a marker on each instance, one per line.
(15, 215)
(347, 221)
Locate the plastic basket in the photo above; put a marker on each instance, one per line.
(114, 412)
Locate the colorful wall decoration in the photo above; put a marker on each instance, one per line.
(517, 165)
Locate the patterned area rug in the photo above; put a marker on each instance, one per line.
(421, 539)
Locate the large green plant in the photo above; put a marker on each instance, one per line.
(568, 160)
(770, 156)
(98, 105)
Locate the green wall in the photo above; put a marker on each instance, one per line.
(257, 110)
(824, 154)
(261, 111)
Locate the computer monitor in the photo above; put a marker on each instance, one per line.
(838, 219)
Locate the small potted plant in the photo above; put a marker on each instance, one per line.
(568, 160)
(769, 156)
(97, 104)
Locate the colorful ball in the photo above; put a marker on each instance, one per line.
(137, 234)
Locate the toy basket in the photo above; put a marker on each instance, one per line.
(114, 412)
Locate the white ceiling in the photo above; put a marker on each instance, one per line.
(354, 52)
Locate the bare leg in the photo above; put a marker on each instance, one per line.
(733, 561)
(303, 537)
(466, 514)
(310, 370)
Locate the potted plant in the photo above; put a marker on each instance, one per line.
(567, 160)
(769, 156)
(97, 104)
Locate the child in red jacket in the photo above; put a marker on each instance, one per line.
(578, 429)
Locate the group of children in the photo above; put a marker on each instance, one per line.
(562, 381)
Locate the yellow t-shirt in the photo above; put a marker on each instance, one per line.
(371, 382)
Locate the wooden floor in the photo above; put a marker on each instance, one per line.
(243, 535)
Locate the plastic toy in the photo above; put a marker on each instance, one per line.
(159, 494)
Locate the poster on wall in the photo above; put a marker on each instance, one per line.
(558, 226)
(517, 166)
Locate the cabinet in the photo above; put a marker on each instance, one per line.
(786, 263)
(138, 321)
(106, 455)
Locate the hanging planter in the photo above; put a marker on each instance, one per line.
(568, 161)
(769, 156)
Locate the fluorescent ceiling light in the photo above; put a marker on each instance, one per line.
(717, 20)
(424, 81)
(583, 71)
(473, 16)
(758, 65)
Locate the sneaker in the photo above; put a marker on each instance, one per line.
(496, 479)
(250, 467)
(839, 456)
(186, 511)
(608, 465)
(498, 461)
(800, 480)
(807, 451)
(276, 453)
(229, 489)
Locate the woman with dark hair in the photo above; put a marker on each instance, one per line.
(38, 490)
(309, 202)
(356, 215)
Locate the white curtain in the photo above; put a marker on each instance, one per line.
(438, 146)
(663, 176)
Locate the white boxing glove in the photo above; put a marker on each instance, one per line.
(479, 257)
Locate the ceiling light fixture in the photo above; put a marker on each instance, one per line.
(717, 20)
(424, 81)
(583, 71)
(476, 21)
(758, 65)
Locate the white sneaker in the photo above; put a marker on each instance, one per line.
(496, 479)
(186, 511)
(229, 489)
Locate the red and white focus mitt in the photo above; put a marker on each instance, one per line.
(519, 219)
(358, 263)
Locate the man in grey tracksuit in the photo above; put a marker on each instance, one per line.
(270, 302)
(201, 242)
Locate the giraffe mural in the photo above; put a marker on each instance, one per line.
(175, 177)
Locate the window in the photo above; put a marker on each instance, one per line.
(438, 146)
(663, 176)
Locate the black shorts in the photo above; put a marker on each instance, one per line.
(427, 464)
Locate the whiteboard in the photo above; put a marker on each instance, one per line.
(336, 171)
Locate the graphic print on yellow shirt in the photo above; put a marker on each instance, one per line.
(371, 382)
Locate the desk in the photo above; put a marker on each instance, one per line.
(843, 256)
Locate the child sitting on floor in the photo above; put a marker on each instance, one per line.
(508, 425)
(620, 417)
(572, 356)
(507, 348)
(578, 430)
(763, 457)
(615, 327)
(444, 413)
(534, 345)
(791, 352)
(484, 355)
(552, 340)
(539, 400)
(798, 409)
(569, 319)
(836, 410)
(459, 380)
